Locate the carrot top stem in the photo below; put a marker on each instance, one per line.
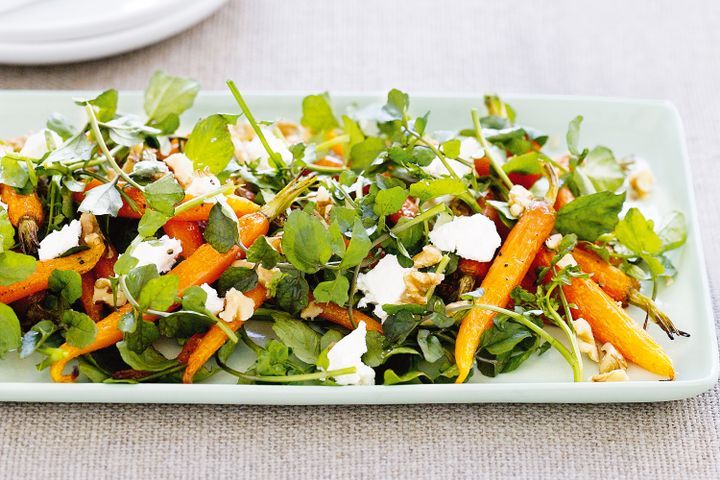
(658, 316)
(488, 152)
(287, 196)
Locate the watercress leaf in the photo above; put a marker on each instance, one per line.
(527, 163)
(102, 200)
(344, 217)
(398, 326)
(184, 324)
(638, 234)
(124, 264)
(451, 148)
(159, 293)
(392, 309)
(81, 329)
(302, 340)
(430, 345)
(167, 125)
(375, 355)
(67, 284)
(129, 130)
(426, 189)
(603, 170)
(397, 104)
(150, 360)
(239, 278)
(138, 277)
(573, 135)
(358, 248)
(144, 335)
(590, 216)
(105, 105)
(167, 95)
(674, 233)
(333, 336)
(7, 231)
(291, 291)
(10, 336)
(15, 267)
(163, 194)
(222, 230)
(363, 153)
(36, 336)
(61, 125)
(317, 113)
(92, 372)
(335, 291)
(194, 299)
(389, 201)
(306, 242)
(209, 145)
(13, 173)
(351, 127)
(392, 378)
(261, 252)
(272, 360)
(150, 222)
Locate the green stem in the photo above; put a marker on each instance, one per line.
(305, 377)
(424, 216)
(488, 151)
(276, 158)
(185, 206)
(441, 266)
(320, 147)
(104, 149)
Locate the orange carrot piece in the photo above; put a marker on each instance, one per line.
(189, 234)
(92, 309)
(610, 323)
(339, 315)
(105, 267)
(80, 262)
(26, 214)
(204, 266)
(611, 279)
(474, 268)
(506, 272)
(564, 197)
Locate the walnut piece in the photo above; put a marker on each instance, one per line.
(311, 311)
(641, 182)
(519, 199)
(102, 292)
(90, 229)
(586, 339)
(611, 359)
(417, 285)
(429, 256)
(612, 376)
(237, 306)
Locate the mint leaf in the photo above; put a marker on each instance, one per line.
(81, 330)
(240, 278)
(221, 231)
(150, 360)
(163, 194)
(335, 291)
(159, 293)
(427, 189)
(10, 337)
(389, 201)
(272, 360)
(15, 267)
(67, 284)
(102, 200)
(209, 145)
(261, 252)
(364, 153)
(306, 242)
(302, 340)
(590, 216)
(317, 113)
(167, 95)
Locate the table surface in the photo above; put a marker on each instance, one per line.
(644, 49)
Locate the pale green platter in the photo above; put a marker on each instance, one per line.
(650, 129)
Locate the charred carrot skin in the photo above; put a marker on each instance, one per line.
(204, 266)
(506, 272)
(188, 233)
(105, 267)
(610, 323)
(339, 315)
(80, 262)
(26, 214)
(92, 309)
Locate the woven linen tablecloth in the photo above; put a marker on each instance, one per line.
(643, 49)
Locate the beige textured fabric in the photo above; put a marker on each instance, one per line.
(648, 49)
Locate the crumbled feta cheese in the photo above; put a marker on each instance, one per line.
(428, 257)
(567, 261)
(36, 145)
(237, 306)
(384, 284)
(474, 237)
(103, 292)
(519, 199)
(553, 241)
(249, 148)
(348, 352)
(202, 185)
(162, 253)
(213, 302)
(586, 340)
(60, 241)
(182, 167)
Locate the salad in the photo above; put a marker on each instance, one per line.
(353, 247)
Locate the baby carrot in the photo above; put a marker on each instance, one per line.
(26, 214)
(93, 310)
(189, 234)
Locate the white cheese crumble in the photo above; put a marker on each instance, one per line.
(519, 199)
(182, 167)
(162, 253)
(194, 182)
(384, 284)
(202, 185)
(60, 241)
(474, 237)
(36, 145)
(348, 352)
(213, 302)
(249, 148)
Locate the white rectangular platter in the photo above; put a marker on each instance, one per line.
(650, 129)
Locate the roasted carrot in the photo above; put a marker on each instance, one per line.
(610, 323)
(564, 197)
(475, 269)
(204, 266)
(189, 234)
(527, 180)
(506, 272)
(339, 315)
(92, 309)
(26, 214)
(105, 267)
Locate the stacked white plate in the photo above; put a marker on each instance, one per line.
(35, 32)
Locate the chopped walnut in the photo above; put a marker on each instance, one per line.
(612, 376)
(311, 311)
(611, 359)
(553, 241)
(586, 339)
(429, 256)
(641, 182)
(519, 199)
(90, 229)
(237, 306)
(417, 285)
(265, 275)
(103, 292)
